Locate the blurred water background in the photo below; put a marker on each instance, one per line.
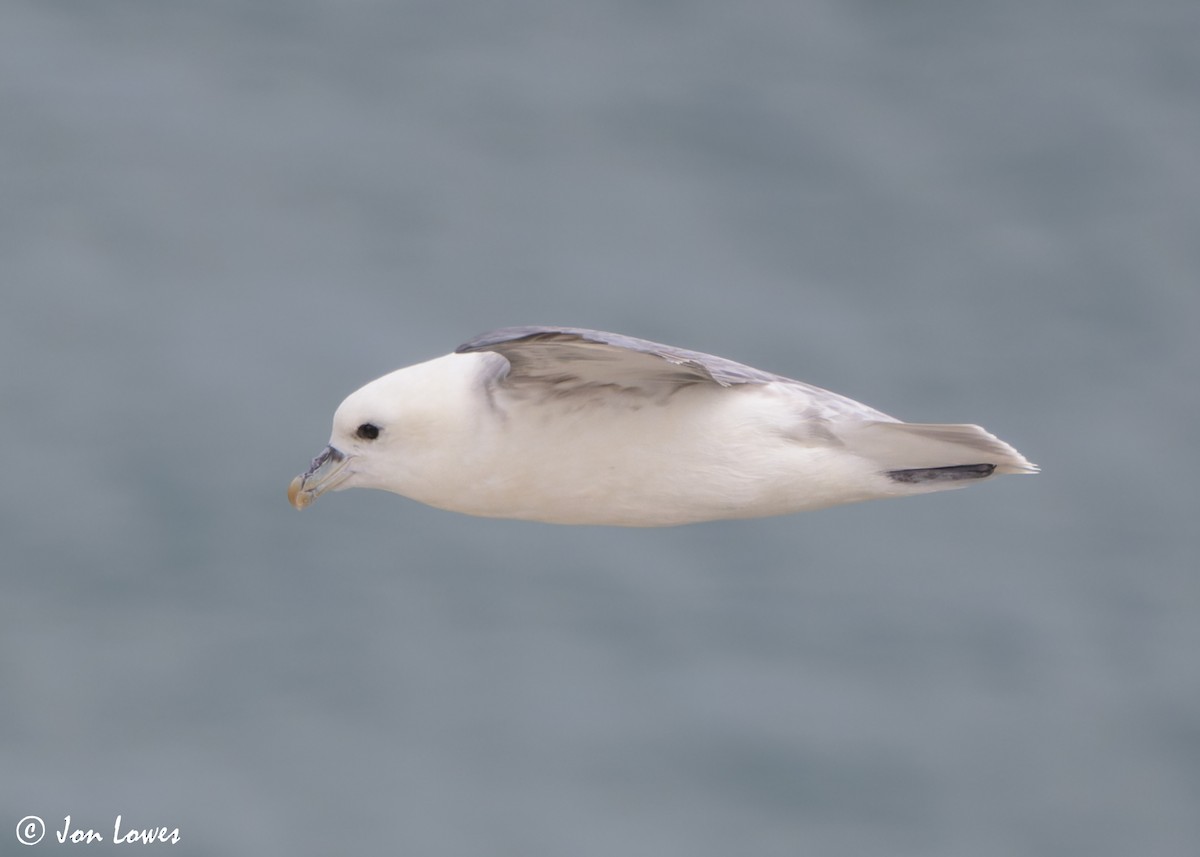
(219, 218)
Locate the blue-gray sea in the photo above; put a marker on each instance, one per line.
(219, 218)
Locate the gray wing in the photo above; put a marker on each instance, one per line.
(570, 361)
(571, 357)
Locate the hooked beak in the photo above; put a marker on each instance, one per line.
(327, 471)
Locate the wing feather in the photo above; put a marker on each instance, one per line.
(592, 356)
(571, 361)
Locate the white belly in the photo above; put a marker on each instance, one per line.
(712, 453)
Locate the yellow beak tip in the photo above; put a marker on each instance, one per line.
(296, 495)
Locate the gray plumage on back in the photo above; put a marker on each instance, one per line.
(575, 360)
(593, 355)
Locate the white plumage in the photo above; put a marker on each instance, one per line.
(574, 426)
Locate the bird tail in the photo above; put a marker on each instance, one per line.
(935, 452)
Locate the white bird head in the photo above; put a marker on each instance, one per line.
(393, 433)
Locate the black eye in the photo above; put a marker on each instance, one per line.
(368, 431)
